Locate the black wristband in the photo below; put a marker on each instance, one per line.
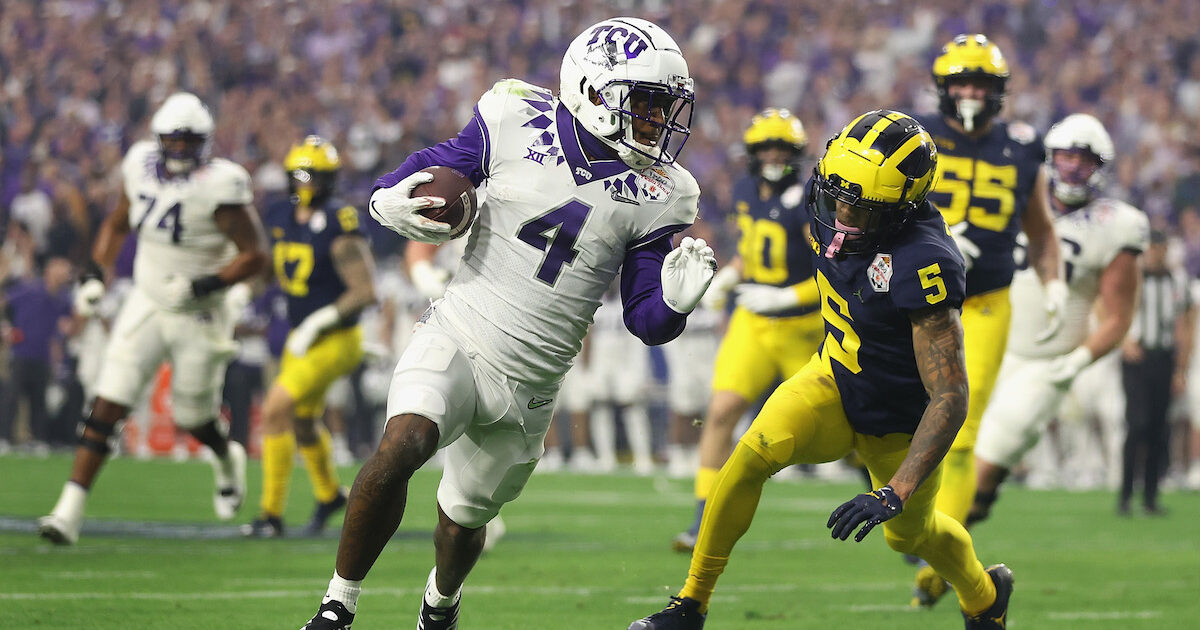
(91, 271)
(204, 285)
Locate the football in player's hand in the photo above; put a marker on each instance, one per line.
(456, 189)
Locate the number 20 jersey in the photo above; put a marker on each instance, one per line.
(552, 233)
(173, 219)
(987, 182)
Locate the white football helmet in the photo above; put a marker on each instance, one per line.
(183, 126)
(627, 64)
(1079, 132)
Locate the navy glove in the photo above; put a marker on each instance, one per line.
(871, 508)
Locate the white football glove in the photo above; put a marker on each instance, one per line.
(303, 336)
(396, 209)
(717, 295)
(1064, 369)
(765, 299)
(970, 251)
(1056, 306)
(177, 291)
(237, 298)
(686, 274)
(87, 297)
(429, 280)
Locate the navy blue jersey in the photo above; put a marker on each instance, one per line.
(866, 301)
(302, 259)
(772, 241)
(986, 181)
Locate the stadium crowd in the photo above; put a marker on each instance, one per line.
(382, 78)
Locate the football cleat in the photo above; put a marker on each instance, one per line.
(322, 512)
(58, 530)
(995, 617)
(264, 527)
(929, 588)
(229, 481)
(332, 615)
(683, 613)
(684, 542)
(437, 618)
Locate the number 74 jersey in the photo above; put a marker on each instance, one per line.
(173, 218)
(552, 233)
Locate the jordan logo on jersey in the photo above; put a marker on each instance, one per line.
(880, 273)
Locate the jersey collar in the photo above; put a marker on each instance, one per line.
(577, 143)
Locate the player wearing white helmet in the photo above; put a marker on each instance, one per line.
(1101, 239)
(578, 189)
(197, 236)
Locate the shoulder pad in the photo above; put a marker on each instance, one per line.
(520, 89)
(229, 182)
(1021, 132)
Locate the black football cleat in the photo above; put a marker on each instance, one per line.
(996, 617)
(264, 527)
(683, 613)
(331, 616)
(322, 512)
(433, 618)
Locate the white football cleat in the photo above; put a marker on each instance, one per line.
(62, 525)
(495, 531)
(229, 481)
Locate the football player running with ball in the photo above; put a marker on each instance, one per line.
(1102, 238)
(990, 186)
(197, 235)
(777, 325)
(326, 270)
(579, 187)
(890, 380)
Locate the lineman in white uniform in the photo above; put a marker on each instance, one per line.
(197, 236)
(578, 190)
(1101, 240)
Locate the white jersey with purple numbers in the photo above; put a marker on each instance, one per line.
(1089, 238)
(552, 234)
(173, 219)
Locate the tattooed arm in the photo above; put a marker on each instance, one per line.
(938, 344)
(355, 266)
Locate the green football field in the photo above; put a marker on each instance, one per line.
(582, 552)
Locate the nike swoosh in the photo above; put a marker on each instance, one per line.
(623, 199)
(534, 403)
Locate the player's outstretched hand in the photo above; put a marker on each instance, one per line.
(970, 251)
(1064, 369)
(765, 299)
(87, 296)
(717, 295)
(871, 508)
(305, 334)
(1056, 306)
(686, 274)
(396, 209)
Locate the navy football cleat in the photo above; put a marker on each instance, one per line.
(331, 616)
(322, 512)
(996, 617)
(433, 618)
(264, 527)
(683, 613)
(929, 588)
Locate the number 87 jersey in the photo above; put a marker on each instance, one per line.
(554, 230)
(173, 218)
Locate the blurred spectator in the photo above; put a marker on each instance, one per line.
(39, 315)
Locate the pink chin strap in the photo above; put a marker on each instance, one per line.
(849, 233)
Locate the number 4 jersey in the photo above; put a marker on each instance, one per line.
(866, 301)
(553, 232)
(173, 219)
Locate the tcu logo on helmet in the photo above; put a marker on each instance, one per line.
(634, 44)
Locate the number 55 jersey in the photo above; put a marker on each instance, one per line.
(557, 225)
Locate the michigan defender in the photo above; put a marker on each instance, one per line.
(990, 186)
(889, 382)
(579, 188)
(325, 268)
(197, 235)
(1102, 239)
(777, 325)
